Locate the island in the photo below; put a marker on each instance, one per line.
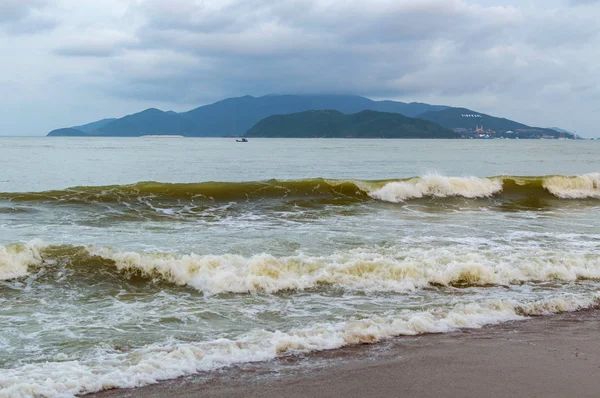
(236, 117)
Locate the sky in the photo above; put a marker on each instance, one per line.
(69, 62)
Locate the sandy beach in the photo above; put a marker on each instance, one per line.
(549, 356)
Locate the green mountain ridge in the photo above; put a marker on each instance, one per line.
(334, 124)
(235, 116)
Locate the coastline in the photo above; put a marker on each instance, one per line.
(550, 356)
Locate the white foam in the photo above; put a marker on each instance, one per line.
(150, 364)
(576, 187)
(437, 186)
(15, 259)
(395, 269)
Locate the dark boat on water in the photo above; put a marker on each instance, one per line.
(242, 140)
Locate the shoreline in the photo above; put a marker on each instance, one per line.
(550, 356)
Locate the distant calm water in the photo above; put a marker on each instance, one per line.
(128, 261)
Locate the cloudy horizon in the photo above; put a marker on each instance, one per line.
(68, 62)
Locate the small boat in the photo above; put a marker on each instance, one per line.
(242, 140)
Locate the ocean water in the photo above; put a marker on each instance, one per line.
(124, 262)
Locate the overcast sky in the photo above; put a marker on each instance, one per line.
(68, 62)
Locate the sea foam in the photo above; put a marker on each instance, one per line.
(401, 268)
(149, 194)
(110, 368)
(396, 269)
(15, 259)
(575, 187)
(439, 187)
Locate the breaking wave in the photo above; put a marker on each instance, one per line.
(579, 187)
(397, 269)
(429, 186)
(113, 368)
(16, 259)
(438, 187)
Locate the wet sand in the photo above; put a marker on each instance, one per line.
(553, 356)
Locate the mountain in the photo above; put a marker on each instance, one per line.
(335, 124)
(234, 116)
(150, 121)
(67, 132)
(91, 127)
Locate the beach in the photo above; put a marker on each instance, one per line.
(546, 356)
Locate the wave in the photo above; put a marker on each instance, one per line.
(15, 260)
(579, 187)
(396, 269)
(438, 187)
(209, 191)
(585, 186)
(113, 368)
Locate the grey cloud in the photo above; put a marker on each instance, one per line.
(15, 10)
(32, 25)
(24, 16)
(311, 46)
(347, 21)
(95, 43)
(584, 2)
(86, 50)
(186, 48)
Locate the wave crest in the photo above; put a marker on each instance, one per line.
(439, 187)
(399, 270)
(15, 259)
(577, 187)
(332, 191)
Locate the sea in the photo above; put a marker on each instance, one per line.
(129, 261)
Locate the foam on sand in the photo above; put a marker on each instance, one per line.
(112, 368)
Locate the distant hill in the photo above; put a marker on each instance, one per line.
(67, 132)
(561, 130)
(91, 127)
(468, 120)
(234, 116)
(335, 124)
(150, 121)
